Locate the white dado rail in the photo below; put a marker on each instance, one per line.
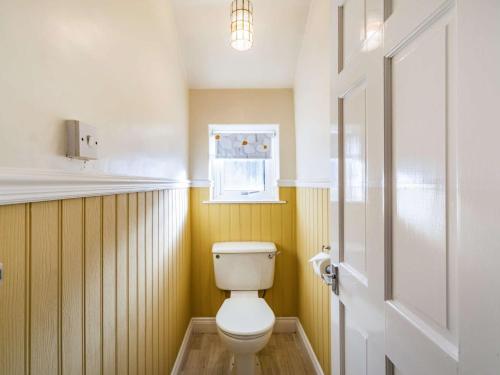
(34, 185)
(316, 183)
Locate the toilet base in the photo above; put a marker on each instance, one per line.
(245, 364)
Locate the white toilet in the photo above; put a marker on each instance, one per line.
(244, 321)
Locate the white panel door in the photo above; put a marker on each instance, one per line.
(357, 140)
(407, 213)
(416, 187)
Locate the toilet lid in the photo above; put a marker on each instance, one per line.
(245, 316)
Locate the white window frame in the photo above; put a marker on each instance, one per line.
(272, 166)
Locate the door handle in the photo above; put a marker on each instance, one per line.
(331, 277)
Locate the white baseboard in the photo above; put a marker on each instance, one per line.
(282, 325)
(309, 349)
(179, 361)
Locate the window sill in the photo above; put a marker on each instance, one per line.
(245, 202)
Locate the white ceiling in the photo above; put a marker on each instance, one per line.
(204, 32)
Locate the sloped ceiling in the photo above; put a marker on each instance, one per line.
(204, 33)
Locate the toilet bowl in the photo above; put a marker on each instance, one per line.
(245, 323)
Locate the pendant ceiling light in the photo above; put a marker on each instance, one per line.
(241, 25)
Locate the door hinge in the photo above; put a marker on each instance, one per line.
(331, 277)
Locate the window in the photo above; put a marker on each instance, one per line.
(244, 162)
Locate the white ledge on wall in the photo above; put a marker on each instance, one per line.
(34, 185)
(286, 183)
(201, 183)
(316, 183)
(245, 202)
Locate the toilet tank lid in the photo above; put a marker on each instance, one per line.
(248, 247)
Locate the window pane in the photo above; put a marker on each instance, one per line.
(244, 175)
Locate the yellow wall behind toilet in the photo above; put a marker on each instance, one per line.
(242, 222)
(299, 228)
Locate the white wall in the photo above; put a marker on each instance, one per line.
(312, 96)
(113, 64)
(246, 106)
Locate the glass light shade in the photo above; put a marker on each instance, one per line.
(241, 25)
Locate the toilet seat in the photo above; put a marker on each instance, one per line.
(245, 317)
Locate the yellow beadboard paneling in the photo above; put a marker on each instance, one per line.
(95, 285)
(242, 222)
(14, 290)
(314, 296)
(161, 232)
(72, 287)
(149, 282)
(155, 284)
(132, 283)
(141, 283)
(45, 348)
(92, 264)
(108, 284)
(121, 284)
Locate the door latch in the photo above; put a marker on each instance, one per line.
(331, 277)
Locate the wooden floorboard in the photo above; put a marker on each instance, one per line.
(284, 354)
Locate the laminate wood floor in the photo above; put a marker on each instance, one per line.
(284, 354)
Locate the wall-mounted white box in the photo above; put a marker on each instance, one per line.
(82, 140)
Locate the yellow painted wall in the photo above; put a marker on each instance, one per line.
(242, 222)
(111, 282)
(299, 228)
(313, 295)
(95, 284)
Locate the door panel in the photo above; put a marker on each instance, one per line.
(414, 348)
(421, 308)
(356, 341)
(419, 162)
(355, 181)
(354, 27)
(357, 191)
